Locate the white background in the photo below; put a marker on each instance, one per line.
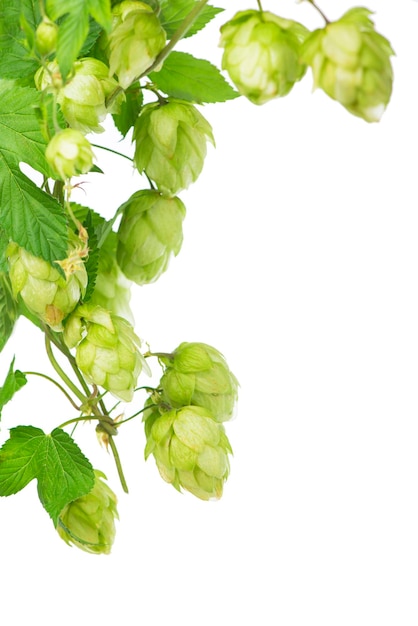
(300, 264)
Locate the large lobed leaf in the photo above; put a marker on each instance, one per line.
(74, 26)
(173, 12)
(195, 80)
(61, 469)
(28, 215)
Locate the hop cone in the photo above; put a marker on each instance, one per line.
(261, 54)
(136, 39)
(170, 144)
(69, 153)
(107, 349)
(190, 449)
(89, 521)
(83, 97)
(149, 233)
(46, 292)
(197, 374)
(351, 62)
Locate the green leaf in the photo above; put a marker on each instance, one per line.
(195, 80)
(61, 469)
(8, 310)
(16, 62)
(129, 110)
(15, 380)
(74, 27)
(173, 12)
(31, 217)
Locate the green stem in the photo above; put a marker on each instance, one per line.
(319, 10)
(95, 145)
(179, 34)
(118, 464)
(56, 384)
(61, 372)
(128, 419)
(259, 6)
(63, 348)
(87, 418)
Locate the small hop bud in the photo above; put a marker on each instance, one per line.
(149, 233)
(261, 54)
(107, 349)
(190, 449)
(350, 61)
(69, 154)
(83, 97)
(197, 374)
(135, 40)
(46, 293)
(89, 522)
(46, 36)
(170, 144)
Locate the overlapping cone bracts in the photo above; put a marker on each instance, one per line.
(150, 232)
(69, 154)
(261, 54)
(46, 37)
(44, 290)
(190, 449)
(107, 349)
(89, 522)
(350, 61)
(198, 374)
(171, 144)
(135, 40)
(82, 98)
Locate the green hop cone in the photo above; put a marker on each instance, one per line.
(170, 144)
(107, 349)
(83, 97)
(46, 36)
(45, 291)
(69, 154)
(149, 233)
(350, 61)
(135, 40)
(89, 521)
(197, 374)
(261, 54)
(190, 449)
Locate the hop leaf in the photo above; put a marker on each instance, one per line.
(190, 449)
(170, 144)
(350, 61)
(149, 233)
(261, 54)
